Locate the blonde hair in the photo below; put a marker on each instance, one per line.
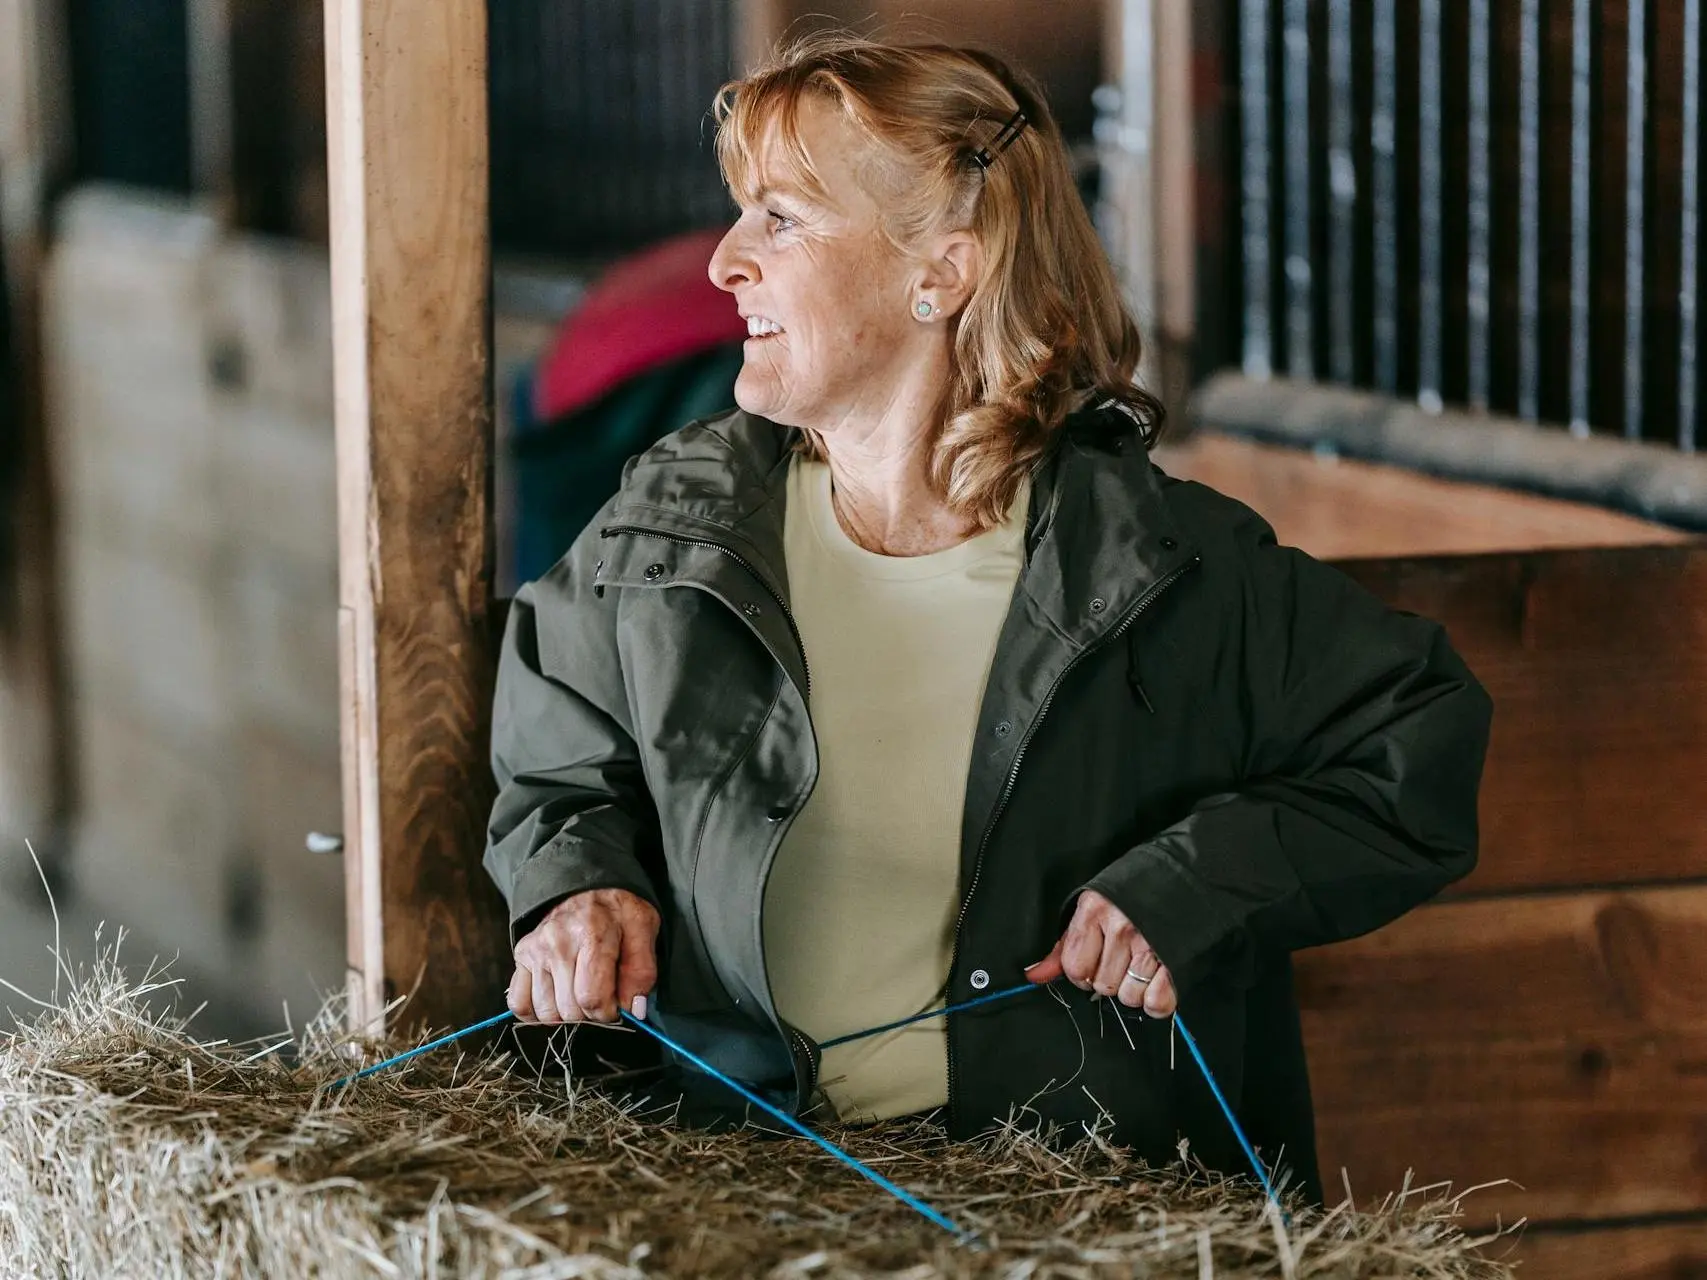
(1045, 331)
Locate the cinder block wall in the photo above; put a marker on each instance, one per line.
(190, 380)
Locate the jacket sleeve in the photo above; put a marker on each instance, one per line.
(1364, 736)
(572, 809)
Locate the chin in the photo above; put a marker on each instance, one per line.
(760, 401)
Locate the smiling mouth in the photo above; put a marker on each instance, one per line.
(759, 328)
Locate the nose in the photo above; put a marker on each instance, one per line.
(731, 265)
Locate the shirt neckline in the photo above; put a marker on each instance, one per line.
(814, 487)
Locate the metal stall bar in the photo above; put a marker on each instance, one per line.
(1300, 301)
(1688, 263)
(1342, 185)
(1529, 210)
(1581, 89)
(1431, 213)
(1635, 174)
(1383, 130)
(1253, 102)
(1479, 280)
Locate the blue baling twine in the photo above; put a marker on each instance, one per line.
(931, 1013)
(493, 1021)
(1238, 1130)
(865, 1171)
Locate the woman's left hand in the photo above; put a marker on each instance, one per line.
(1103, 951)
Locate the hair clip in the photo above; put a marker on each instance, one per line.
(985, 156)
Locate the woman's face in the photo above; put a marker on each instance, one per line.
(828, 300)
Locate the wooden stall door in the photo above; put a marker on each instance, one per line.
(1546, 1022)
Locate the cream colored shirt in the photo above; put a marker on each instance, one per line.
(860, 909)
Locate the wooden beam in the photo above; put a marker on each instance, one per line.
(35, 111)
(1174, 171)
(1557, 1041)
(411, 279)
(759, 25)
(1343, 509)
(36, 792)
(1148, 158)
(1126, 152)
(211, 103)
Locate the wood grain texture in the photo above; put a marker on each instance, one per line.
(1557, 1041)
(407, 110)
(1342, 509)
(1673, 1251)
(37, 778)
(1597, 664)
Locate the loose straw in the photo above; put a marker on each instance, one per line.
(863, 1170)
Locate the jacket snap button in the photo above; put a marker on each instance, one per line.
(1004, 728)
(654, 572)
(980, 979)
(1168, 544)
(777, 814)
(751, 610)
(1098, 605)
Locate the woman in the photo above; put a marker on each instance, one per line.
(913, 678)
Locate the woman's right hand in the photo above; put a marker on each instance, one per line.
(592, 954)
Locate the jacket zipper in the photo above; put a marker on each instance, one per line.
(1132, 616)
(793, 1039)
(738, 558)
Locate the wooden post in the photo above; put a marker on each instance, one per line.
(1174, 196)
(759, 24)
(211, 105)
(411, 282)
(1149, 179)
(36, 793)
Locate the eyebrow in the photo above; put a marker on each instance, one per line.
(787, 191)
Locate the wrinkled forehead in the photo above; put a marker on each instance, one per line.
(763, 148)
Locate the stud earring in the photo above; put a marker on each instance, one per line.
(924, 309)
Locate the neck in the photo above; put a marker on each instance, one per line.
(880, 473)
(886, 504)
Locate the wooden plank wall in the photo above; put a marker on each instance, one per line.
(1546, 1022)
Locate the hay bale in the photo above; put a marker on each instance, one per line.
(128, 1148)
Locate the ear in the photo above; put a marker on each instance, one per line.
(949, 273)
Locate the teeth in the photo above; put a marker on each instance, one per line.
(758, 326)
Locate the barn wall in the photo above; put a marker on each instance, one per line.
(1545, 1022)
(191, 392)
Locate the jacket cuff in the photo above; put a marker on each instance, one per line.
(1179, 918)
(563, 868)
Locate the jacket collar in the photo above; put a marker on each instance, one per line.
(720, 480)
(1102, 534)
(1105, 534)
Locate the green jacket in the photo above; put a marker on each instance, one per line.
(1242, 749)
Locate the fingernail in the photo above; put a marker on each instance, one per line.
(640, 1008)
(1031, 966)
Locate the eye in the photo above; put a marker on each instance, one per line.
(780, 221)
